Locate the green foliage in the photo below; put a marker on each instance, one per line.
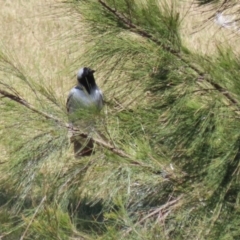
(171, 121)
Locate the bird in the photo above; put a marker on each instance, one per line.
(83, 102)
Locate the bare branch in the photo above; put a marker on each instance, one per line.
(77, 131)
(134, 28)
(32, 219)
(23, 102)
(164, 207)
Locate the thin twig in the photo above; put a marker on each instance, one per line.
(34, 215)
(99, 142)
(156, 211)
(109, 146)
(134, 28)
(26, 104)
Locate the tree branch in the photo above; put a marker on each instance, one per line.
(77, 131)
(34, 215)
(27, 105)
(164, 207)
(134, 28)
(115, 150)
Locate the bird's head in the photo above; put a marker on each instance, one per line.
(85, 74)
(86, 79)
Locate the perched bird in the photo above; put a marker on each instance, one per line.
(84, 100)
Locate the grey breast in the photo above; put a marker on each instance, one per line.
(80, 98)
(81, 105)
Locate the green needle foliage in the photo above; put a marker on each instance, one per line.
(166, 157)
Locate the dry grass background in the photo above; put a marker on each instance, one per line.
(32, 31)
(29, 33)
(199, 31)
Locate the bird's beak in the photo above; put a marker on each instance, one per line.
(93, 71)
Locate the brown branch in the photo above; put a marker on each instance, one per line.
(27, 105)
(77, 131)
(154, 212)
(164, 207)
(112, 148)
(34, 215)
(134, 28)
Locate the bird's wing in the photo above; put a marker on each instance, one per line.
(70, 97)
(68, 101)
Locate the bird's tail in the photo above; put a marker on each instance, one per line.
(82, 147)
